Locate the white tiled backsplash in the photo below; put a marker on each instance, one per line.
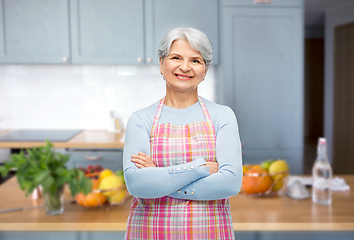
(79, 96)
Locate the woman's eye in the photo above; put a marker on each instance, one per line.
(196, 61)
(175, 58)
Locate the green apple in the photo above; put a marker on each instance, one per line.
(265, 165)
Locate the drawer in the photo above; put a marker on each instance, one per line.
(263, 3)
(112, 159)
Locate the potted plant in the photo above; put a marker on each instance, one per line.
(45, 167)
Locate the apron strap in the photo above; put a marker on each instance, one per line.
(205, 111)
(157, 116)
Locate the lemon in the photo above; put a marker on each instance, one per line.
(118, 197)
(105, 173)
(110, 182)
(244, 169)
(278, 184)
(120, 173)
(278, 167)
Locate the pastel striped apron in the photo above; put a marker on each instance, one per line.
(172, 218)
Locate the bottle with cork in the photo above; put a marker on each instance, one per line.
(322, 175)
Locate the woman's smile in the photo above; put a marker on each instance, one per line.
(183, 77)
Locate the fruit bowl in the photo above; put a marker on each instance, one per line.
(97, 197)
(264, 185)
(102, 192)
(260, 181)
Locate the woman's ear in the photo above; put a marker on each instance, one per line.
(161, 65)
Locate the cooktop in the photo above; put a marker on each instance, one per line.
(40, 135)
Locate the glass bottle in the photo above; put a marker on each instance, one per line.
(322, 175)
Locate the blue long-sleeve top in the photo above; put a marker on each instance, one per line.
(194, 182)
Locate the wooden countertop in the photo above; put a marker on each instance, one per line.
(84, 139)
(248, 213)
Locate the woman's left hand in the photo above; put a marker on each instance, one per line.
(142, 160)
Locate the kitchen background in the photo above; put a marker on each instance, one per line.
(80, 96)
(65, 96)
(38, 96)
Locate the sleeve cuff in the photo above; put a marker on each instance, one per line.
(190, 167)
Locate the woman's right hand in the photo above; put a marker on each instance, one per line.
(213, 167)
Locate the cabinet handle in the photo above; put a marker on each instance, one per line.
(93, 157)
(65, 59)
(140, 59)
(149, 59)
(262, 1)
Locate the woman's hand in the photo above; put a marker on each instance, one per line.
(213, 167)
(142, 160)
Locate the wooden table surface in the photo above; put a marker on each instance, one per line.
(248, 213)
(84, 139)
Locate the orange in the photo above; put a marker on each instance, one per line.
(93, 199)
(256, 166)
(95, 183)
(256, 184)
(252, 166)
(90, 200)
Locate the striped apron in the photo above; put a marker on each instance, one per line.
(172, 218)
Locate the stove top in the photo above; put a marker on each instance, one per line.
(40, 135)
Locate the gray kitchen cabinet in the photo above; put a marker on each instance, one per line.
(35, 31)
(262, 3)
(262, 77)
(107, 158)
(52, 235)
(97, 32)
(163, 15)
(55, 235)
(130, 32)
(108, 31)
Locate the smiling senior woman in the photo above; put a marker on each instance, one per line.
(182, 155)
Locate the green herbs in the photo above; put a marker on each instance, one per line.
(42, 166)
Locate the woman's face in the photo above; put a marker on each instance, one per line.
(183, 68)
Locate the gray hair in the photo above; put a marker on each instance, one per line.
(197, 39)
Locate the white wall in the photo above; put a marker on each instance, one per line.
(79, 96)
(340, 15)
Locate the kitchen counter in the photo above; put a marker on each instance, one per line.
(84, 139)
(248, 213)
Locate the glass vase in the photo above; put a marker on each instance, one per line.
(54, 203)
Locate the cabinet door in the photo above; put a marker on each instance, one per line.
(107, 31)
(34, 31)
(164, 15)
(263, 56)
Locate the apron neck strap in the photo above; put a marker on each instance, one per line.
(162, 103)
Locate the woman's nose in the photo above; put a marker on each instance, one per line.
(184, 66)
